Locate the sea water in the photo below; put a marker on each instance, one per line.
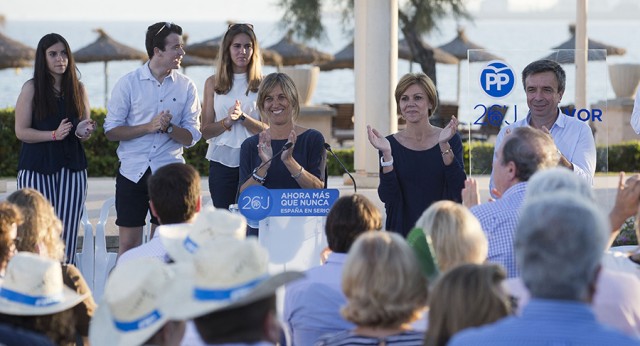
(518, 40)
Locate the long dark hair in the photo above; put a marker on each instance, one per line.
(44, 98)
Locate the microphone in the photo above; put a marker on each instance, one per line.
(286, 146)
(328, 148)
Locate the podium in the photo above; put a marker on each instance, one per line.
(291, 224)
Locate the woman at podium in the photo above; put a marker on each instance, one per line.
(286, 155)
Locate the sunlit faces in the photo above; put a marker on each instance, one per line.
(173, 52)
(542, 92)
(241, 50)
(57, 58)
(414, 104)
(277, 107)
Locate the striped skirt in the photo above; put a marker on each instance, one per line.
(67, 192)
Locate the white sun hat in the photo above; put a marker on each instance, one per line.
(182, 241)
(133, 306)
(227, 272)
(33, 286)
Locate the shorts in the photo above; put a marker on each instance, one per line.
(132, 201)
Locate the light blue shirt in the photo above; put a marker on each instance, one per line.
(499, 220)
(572, 137)
(135, 100)
(312, 305)
(545, 322)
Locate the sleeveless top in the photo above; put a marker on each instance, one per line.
(51, 156)
(225, 148)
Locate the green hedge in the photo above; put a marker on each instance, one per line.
(103, 161)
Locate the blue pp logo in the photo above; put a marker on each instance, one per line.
(255, 202)
(497, 79)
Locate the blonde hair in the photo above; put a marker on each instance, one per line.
(424, 82)
(469, 295)
(224, 64)
(383, 282)
(456, 234)
(41, 224)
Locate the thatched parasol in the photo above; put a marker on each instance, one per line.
(14, 54)
(565, 51)
(209, 50)
(106, 49)
(342, 59)
(459, 48)
(345, 57)
(294, 53)
(438, 54)
(206, 49)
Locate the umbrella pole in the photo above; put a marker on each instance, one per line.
(106, 84)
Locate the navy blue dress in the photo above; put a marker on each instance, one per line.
(419, 178)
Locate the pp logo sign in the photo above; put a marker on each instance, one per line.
(497, 79)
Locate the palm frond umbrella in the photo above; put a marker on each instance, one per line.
(459, 47)
(440, 56)
(294, 53)
(15, 54)
(107, 49)
(192, 60)
(345, 57)
(209, 49)
(566, 55)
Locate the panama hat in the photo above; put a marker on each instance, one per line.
(132, 308)
(227, 272)
(181, 241)
(33, 286)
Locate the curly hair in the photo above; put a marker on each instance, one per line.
(10, 216)
(41, 226)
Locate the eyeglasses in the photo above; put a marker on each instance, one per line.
(166, 25)
(250, 26)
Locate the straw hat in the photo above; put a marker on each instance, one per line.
(181, 241)
(229, 272)
(33, 286)
(133, 306)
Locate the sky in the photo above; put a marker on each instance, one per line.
(180, 10)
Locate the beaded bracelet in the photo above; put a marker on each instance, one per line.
(225, 126)
(53, 135)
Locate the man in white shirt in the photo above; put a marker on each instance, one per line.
(544, 84)
(154, 113)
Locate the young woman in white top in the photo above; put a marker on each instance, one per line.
(229, 113)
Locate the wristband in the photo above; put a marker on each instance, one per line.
(258, 178)
(53, 135)
(296, 176)
(385, 164)
(225, 126)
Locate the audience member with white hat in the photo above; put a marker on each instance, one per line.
(134, 307)
(34, 297)
(182, 241)
(232, 301)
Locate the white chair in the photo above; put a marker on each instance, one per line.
(85, 260)
(105, 261)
